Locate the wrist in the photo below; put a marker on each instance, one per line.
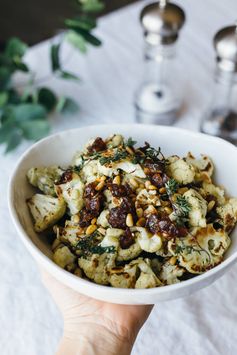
(92, 338)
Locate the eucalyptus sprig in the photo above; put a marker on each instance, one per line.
(24, 112)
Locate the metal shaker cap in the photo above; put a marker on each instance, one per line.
(225, 43)
(161, 22)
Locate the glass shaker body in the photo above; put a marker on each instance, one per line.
(220, 119)
(158, 98)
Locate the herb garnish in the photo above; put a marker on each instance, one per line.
(119, 155)
(181, 210)
(130, 142)
(171, 186)
(90, 245)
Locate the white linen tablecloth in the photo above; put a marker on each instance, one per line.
(202, 324)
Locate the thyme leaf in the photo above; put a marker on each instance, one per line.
(90, 245)
(130, 142)
(171, 186)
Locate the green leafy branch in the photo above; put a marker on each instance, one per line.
(24, 113)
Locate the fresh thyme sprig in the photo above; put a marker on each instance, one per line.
(171, 186)
(90, 245)
(118, 155)
(181, 210)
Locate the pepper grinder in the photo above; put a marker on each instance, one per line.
(158, 99)
(220, 119)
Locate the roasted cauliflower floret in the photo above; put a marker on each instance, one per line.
(71, 233)
(170, 274)
(46, 210)
(90, 171)
(228, 214)
(44, 178)
(63, 257)
(102, 220)
(201, 250)
(126, 166)
(130, 253)
(203, 167)
(97, 267)
(147, 241)
(72, 192)
(147, 278)
(216, 191)
(145, 198)
(114, 141)
(180, 170)
(112, 239)
(198, 208)
(123, 277)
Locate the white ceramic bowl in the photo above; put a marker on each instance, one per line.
(59, 149)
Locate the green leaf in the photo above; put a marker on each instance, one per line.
(14, 140)
(47, 98)
(67, 106)
(15, 48)
(76, 40)
(35, 130)
(68, 76)
(28, 111)
(92, 5)
(84, 22)
(6, 131)
(54, 54)
(5, 77)
(3, 98)
(89, 37)
(19, 65)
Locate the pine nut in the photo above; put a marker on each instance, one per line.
(182, 190)
(75, 218)
(100, 186)
(168, 210)
(141, 222)
(173, 260)
(94, 220)
(165, 203)
(152, 187)
(141, 186)
(102, 230)
(129, 150)
(139, 212)
(150, 209)
(147, 184)
(133, 183)
(117, 180)
(162, 190)
(91, 229)
(129, 220)
(210, 205)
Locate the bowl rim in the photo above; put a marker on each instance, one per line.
(55, 269)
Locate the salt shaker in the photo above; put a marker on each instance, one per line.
(158, 99)
(220, 119)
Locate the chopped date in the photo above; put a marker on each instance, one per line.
(127, 239)
(163, 224)
(97, 146)
(117, 217)
(157, 180)
(85, 217)
(90, 190)
(94, 204)
(153, 167)
(118, 190)
(65, 177)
